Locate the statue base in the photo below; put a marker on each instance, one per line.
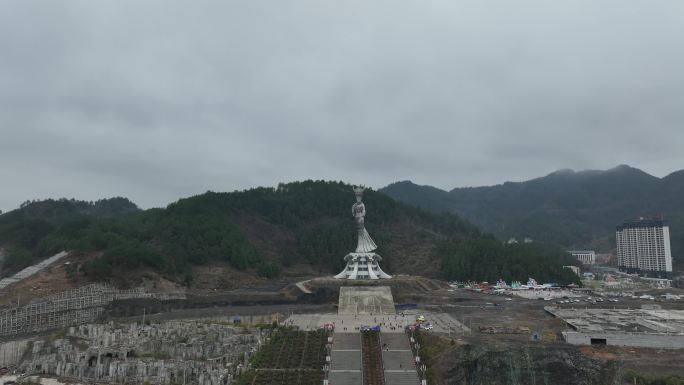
(371, 300)
(362, 266)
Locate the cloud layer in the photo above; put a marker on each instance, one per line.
(156, 100)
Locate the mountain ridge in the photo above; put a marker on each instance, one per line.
(573, 209)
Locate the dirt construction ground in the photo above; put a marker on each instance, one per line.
(497, 321)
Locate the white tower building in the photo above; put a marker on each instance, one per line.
(363, 262)
(643, 247)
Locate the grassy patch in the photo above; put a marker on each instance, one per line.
(642, 379)
(431, 348)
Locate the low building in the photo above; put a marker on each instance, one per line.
(587, 257)
(574, 269)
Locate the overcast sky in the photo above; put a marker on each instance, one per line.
(157, 100)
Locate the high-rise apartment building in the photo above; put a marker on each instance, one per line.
(643, 247)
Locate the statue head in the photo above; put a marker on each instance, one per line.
(358, 191)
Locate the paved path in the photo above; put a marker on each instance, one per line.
(395, 341)
(31, 270)
(401, 378)
(349, 323)
(346, 362)
(397, 360)
(303, 288)
(345, 378)
(347, 341)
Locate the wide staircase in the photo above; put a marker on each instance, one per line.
(397, 360)
(372, 358)
(346, 360)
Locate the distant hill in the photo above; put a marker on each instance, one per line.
(266, 231)
(572, 209)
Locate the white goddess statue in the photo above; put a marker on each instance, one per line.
(363, 263)
(365, 243)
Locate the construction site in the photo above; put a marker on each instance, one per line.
(72, 307)
(648, 327)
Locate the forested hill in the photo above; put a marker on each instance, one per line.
(27, 232)
(572, 209)
(266, 230)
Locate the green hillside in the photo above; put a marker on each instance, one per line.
(567, 208)
(263, 230)
(28, 232)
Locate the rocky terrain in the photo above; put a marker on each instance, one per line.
(520, 364)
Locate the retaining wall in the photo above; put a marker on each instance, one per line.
(660, 341)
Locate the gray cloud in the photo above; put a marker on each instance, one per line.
(156, 100)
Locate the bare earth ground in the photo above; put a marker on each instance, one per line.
(49, 281)
(209, 279)
(221, 276)
(478, 310)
